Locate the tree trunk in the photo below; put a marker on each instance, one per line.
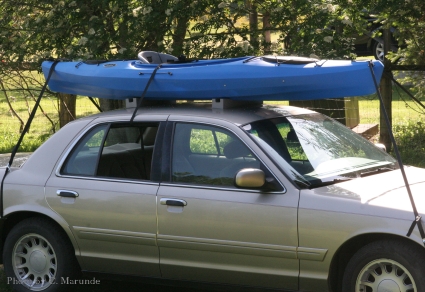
(67, 103)
(110, 104)
(155, 36)
(266, 33)
(253, 21)
(179, 35)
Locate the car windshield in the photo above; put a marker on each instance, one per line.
(316, 150)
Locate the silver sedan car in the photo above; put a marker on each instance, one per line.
(267, 197)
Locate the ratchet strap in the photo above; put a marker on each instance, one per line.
(406, 91)
(139, 102)
(95, 104)
(24, 131)
(418, 218)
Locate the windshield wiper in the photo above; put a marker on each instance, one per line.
(302, 183)
(375, 171)
(327, 183)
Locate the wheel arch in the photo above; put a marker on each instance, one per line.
(10, 220)
(349, 248)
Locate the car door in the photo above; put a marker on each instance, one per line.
(105, 191)
(209, 230)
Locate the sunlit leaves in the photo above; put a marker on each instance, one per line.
(79, 29)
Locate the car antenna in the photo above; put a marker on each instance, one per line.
(418, 218)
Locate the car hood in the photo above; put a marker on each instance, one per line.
(376, 194)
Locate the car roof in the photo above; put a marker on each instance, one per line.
(238, 115)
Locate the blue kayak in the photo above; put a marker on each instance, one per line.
(246, 78)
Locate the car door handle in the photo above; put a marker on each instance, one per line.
(173, 202)
(66, 194)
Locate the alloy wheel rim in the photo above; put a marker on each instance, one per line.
(34, 262)
(385, 275)
(380, 51)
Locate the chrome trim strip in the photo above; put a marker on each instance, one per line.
(227, 246)
(311, 254)
(111, 235)
(98, 178)
(221, 188)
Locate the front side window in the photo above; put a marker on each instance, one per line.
(114, 151)
(208, 155)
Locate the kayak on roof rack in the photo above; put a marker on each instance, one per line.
(243, 78)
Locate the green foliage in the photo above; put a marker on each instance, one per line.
(35, 30)
(77, 29)
(203, 141)
(411, 142)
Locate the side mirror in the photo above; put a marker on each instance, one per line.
(254, 178)
(381, 146)
(250, 178)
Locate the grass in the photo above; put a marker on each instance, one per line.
(411, 142)
(41, 128)
(408, 129)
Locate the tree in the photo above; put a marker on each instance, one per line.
(34, 30)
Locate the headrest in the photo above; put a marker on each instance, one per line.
(236, 149)
(292, 136)
(149, 135)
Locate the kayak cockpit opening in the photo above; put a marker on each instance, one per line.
(151, 57)
(294, 60)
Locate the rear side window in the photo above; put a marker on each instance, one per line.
(83, 158)
(114, 151)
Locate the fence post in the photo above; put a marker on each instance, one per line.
(386, 92)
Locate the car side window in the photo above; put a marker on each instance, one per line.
(114, 151)
(83, 158)
(208, 155)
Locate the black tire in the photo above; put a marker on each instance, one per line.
(37, 255)
(389, 265)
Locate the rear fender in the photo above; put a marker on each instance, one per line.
(14, 213)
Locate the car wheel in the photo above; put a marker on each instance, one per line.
(378, 51)
(37, 256)
(386, 266)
